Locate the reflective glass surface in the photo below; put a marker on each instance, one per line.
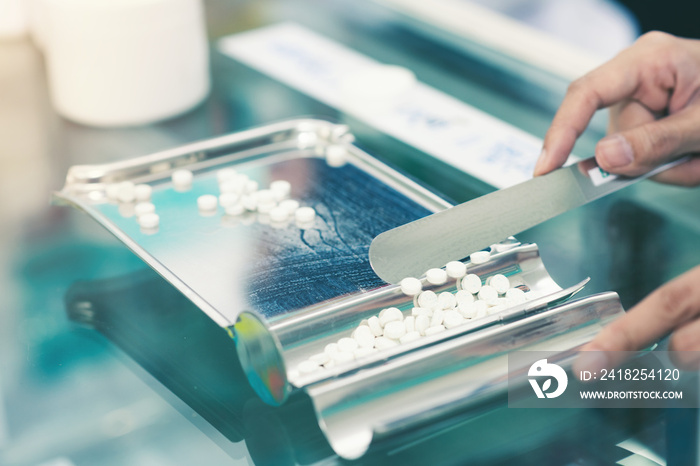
(103, 362)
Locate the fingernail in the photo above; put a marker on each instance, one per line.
(591, 361)
(540, 162)
(615, 150)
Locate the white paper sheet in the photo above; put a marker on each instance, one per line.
(426, 118)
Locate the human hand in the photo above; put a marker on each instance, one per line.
(673, 307)
(653, 89)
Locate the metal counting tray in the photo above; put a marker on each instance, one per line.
(230, 264)
(284, 291)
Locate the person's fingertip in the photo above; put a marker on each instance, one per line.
(613, 152)
(593, 361)
(541, 163)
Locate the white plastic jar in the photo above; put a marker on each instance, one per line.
(125, 62)
(14, 20)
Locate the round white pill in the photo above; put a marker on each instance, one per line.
(453, 319)
(375, 326)
(250, 202)
(307, 139)
(437, 317)
(182, 179)
(230, 186)
(480, 309)
(427, 298)
(363, 336)
(494, 302)
(280, 189)
(467, 309)
(307, 367)
(410, 323)
(225, 174)
(266, 207)
(510, 302)
(456, 269)
(394, 330)
(241, 179)
(463, 296)
(436, 276)
(411, 286)
(320, 358)
(343, 356)
(235, 209)
(329, 364)
(499, 282)
(347, 344)
(290, 205)
(238, 184)
(434, 330)
(496, 309)
(305, 214)
(421, 311)
(142, 192)
(331, 348)
(207, 202)
(488, 293)
(143, 208)
(228, 199)
(480, 257)
(266, 196)
(422, 324)
(516, 294)
(390, 314)
(382, 343)
(362, 352)
(471, 283)
(409, 337)
(447, 300)
(336, 155)
(279, 214)
(251, 186)
(112, 191)
(125, 192)
(149, 221)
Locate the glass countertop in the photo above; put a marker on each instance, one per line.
(104, 362)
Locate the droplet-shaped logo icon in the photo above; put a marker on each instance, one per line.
(541, 369)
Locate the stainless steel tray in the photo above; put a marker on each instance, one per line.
(423, 389)
(229, 264)
(284, 291)
(277, 345)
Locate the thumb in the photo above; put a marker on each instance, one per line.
(639, 150)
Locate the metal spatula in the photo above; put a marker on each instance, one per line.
(453, 234)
